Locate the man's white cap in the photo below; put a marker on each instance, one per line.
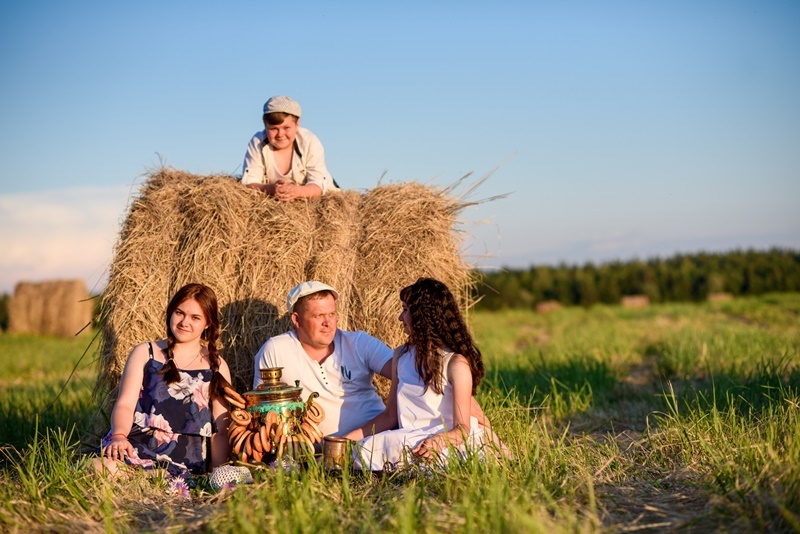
(282, 104)
(305, 289)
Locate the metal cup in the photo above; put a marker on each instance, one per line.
(334, 452)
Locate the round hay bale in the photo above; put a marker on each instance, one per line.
(719, 296)
(251, 249)
(548, 306)
(635, 301)
(56, 307)
(408, 232)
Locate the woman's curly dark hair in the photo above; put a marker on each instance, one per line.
(207, 299)
(436, 322)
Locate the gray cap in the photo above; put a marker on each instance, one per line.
(305, 289)
(282, 104)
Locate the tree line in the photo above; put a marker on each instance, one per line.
(683, 277)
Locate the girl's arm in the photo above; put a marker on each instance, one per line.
(477, 413)
(122, 415)
(387, 420)
(220, 446)
(458, 374)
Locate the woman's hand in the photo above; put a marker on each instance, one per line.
(430, 446)
(118, 448)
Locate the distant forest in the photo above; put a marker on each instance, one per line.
(690, 277)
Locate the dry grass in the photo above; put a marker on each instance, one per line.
(252, 249)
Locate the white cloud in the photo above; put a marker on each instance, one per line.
(67, 233)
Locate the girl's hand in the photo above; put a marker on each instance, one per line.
(429, 447)
(118, 448)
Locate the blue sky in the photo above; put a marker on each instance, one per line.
(620, 129)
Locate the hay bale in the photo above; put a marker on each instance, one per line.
(547, 306)
(408, 232)
(56, 307)
(251, 249)
(635, 301)
(719, 297)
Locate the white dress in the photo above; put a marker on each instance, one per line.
(421, 413)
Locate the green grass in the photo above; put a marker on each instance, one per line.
(38, 385)
(682, 416)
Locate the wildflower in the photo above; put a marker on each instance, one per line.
(179, 487)
(288, 464)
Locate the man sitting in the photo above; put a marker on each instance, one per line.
(337, 364)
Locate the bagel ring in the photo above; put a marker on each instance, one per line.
(241, 417)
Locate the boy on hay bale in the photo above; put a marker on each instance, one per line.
(285, 160)
(251, 250)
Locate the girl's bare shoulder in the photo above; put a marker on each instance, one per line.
(457, 360)
(142, 350)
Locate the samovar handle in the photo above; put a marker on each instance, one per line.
(310, 401)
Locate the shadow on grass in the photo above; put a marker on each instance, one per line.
(588, 393)
(747, 391)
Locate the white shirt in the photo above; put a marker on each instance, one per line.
(308, 162)
(343, 380)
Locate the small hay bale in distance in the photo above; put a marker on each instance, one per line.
(55, 307)
(548, 306)
(719, 297)
(635, 301)
(252, 249)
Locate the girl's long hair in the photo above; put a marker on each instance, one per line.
(207, 299)
(436, 322)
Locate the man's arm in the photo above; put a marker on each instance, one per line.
(386, 420)
(374, 354)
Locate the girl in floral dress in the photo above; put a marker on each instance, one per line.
(170, 412)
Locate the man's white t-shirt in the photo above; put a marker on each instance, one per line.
(343, 380)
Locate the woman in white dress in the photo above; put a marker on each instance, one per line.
(434, 376)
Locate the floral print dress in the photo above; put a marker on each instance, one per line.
(172, 423)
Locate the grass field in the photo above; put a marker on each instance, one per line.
(674, 417)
